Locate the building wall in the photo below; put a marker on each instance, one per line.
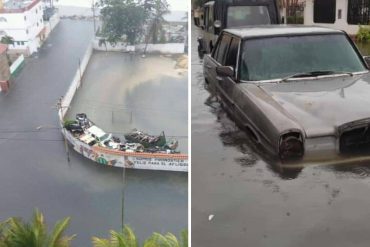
(23, 27)
(4, 67)
(340, 24)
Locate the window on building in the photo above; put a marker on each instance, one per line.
(36, 11)
(37, 23)
(2, 19)
(26, 31)
(324, 11)
(25, 18)
(358, 12)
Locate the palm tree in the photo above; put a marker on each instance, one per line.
(126, 238)
(14, 232)
(168, 240)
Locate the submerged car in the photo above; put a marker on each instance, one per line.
(302, 92)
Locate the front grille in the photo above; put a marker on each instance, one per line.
(355, 140)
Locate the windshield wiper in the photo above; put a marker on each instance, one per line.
(315, 73)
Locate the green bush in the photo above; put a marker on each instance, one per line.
(295, 20)
(363, 34)
(69, 122)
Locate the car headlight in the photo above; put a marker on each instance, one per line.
(291, 146)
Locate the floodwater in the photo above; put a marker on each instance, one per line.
(148, 94)
(34, 167)
(239, 199)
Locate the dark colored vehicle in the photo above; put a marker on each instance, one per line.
(221, 14)
(301, 92)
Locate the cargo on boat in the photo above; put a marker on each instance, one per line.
(137, 150)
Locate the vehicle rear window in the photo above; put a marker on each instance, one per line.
(238, 16)
(279, 57)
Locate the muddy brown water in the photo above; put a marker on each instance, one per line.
(239, 199)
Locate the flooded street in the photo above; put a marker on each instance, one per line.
(34, 167)
(239, 199)
(129, 93)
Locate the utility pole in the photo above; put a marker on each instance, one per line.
(93, 10)
(123, 196)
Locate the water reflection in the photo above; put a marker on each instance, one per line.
(231, 135)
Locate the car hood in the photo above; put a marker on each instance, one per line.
(320, 106)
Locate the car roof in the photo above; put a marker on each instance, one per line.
(279, 30)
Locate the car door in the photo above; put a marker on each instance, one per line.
(228, 84)
(216, 59)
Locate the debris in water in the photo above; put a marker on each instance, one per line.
(210, 217)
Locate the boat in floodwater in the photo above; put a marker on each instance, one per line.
(106, 149)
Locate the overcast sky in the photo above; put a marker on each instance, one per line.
(181, 5)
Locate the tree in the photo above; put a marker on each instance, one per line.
(7, 40)
(14, 232)
(127, 238)
(122, 19)
(158, 11)
(168, 240)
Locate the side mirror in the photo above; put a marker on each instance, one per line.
(282, 20)
(217, 24)
(225, 71)
(367, 60)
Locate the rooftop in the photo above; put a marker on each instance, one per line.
(277, 30)
(18, 6)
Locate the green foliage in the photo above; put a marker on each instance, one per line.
(363, 34)
(122, 19)
(127, 238)
(159, 9)
(7, 40)
(14, 232)
(69, 122)
(295, 20)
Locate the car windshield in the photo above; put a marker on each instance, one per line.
(280, 57)
(238, 16)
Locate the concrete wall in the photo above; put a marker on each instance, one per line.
(340, 24)
(76, 82)
(169, 48)
(51, 24)
(17, 65)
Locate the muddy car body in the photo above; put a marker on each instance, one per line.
(302, 92)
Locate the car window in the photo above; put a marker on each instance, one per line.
(222, 49)
(279, 57)
(238, 16)
(232, 53)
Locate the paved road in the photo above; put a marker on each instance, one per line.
(35, 173)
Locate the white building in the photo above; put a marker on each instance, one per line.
(345, 15)
(23, 21)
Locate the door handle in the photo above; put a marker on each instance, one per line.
(209, 66)
(218, 78)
